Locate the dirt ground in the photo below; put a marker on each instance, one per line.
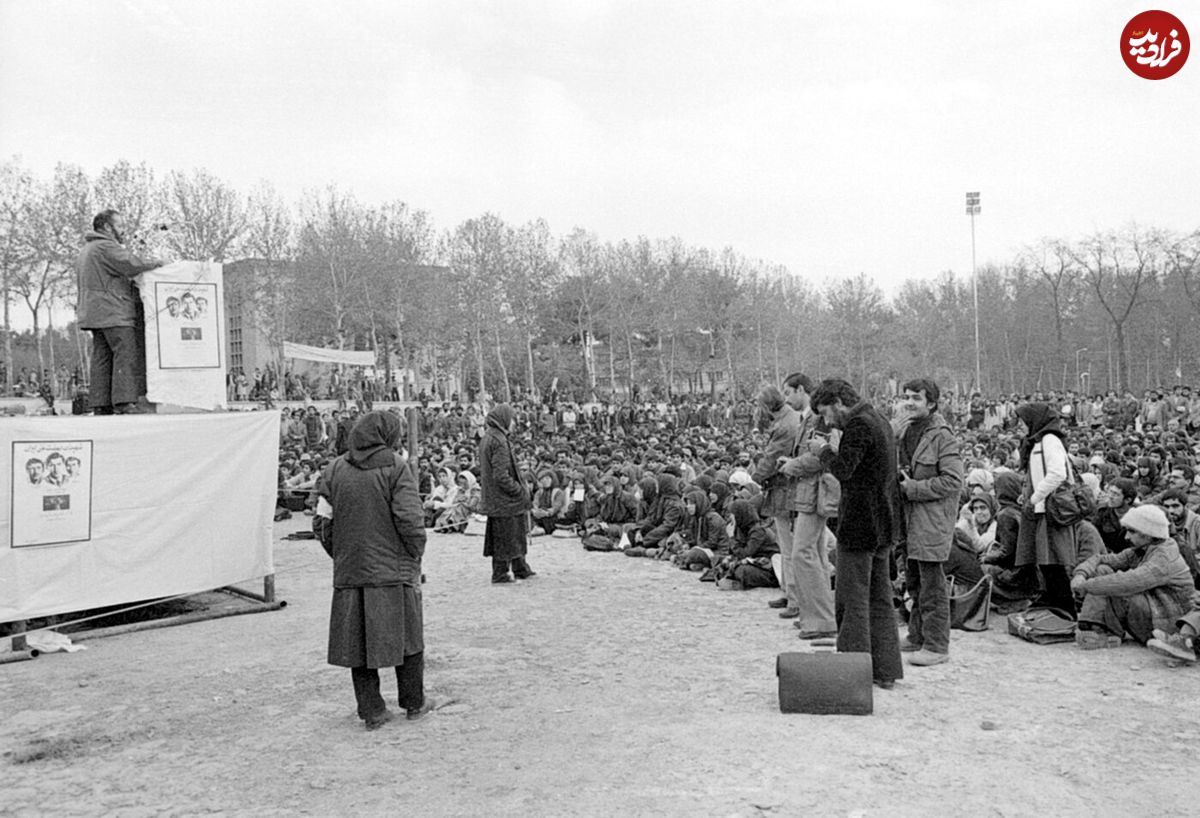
(604, 686)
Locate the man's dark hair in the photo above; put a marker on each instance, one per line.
(798, 380)
(831, 390)
(932, 393)
(1174, 494)
(103, 219)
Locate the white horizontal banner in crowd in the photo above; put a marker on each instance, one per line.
(185, 334)
(328, 356)
(101, 511)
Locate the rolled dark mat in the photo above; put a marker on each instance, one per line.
(825, 683)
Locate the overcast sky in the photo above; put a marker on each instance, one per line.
(833, 138)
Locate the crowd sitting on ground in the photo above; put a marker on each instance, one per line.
(703, 490)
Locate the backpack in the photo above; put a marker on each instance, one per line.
(1044, 626)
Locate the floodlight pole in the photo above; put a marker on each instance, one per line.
(973, 209)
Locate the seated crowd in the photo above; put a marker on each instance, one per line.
(711, 493)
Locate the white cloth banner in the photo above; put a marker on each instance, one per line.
(185, 334)
(328, 356)
(99, 511)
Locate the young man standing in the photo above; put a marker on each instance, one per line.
(931, 480)
(809, 551)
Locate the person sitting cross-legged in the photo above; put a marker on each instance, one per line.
(749, 562)
(1144, 587)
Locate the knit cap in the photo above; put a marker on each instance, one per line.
(1149, 520)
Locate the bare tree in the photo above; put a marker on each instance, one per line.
(1119, 268)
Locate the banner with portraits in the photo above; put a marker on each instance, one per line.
(106, 510)
(185, 334)
(52, 492)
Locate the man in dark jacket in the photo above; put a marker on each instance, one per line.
(504, 499)
(864, 461)
(376, 536)
(109, 307)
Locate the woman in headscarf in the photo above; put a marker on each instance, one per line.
(466, 503)
(704, 533)
(749, 562)
(504, 499)
(1041, 542)
(549, 501)
(376, 537)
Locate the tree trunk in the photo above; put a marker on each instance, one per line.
(662, 365)
(533, 390)
(503, 370)
(8, 358)
(37, 342)
(629, 351)
(477, 344)
(1122, 356)
(612, 366)
(50, 342)
(729, 363)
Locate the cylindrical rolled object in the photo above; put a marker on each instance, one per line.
(18, 656)
(825, 683)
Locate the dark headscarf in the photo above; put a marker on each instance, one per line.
(501, 417)
(1042, 419)
(373, 439)
(649, 488)
(1008, 488)
(744, 515)
(698, 498)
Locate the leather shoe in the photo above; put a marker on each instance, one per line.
(129, 409)
(817, 634)
(529, 575)
(375, 722)
(428, 707)
(778, 603)
(885, 684)
(925, 658)
(908, 647)
(789, 613)
(501, 580)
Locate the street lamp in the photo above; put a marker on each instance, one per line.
(973, 209)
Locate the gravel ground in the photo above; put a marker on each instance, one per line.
(604, 686)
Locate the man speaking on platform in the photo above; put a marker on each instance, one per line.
(108, 306)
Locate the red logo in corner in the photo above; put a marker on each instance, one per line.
(1155, 45)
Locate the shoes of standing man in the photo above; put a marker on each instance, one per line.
(528, 575)
(501, 579)
(375, 722)
(789, 613)
(129, 409)
(908, 647)
(925, 658)
(428, 707)
(817, 634)
(778, 603)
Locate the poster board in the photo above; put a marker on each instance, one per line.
(157, 505)
(51, 497)
(184, 303)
